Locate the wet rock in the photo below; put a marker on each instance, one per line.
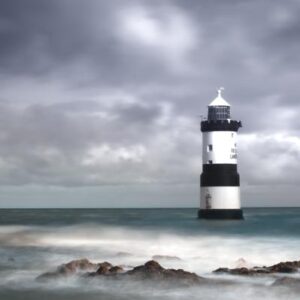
(282, 267)
(116, 270)
(108, 269)
(76, 265)
(150, 267)
(237, 271)
(165, 257)
(285, 267)
(70, 268)
(152, 270)
(103, 270)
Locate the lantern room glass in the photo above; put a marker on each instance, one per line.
(216, 113)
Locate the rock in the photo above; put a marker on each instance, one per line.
(152, 270)
(75, 266)
(71, 268)
(166, 257)
(116, 270)
(285, 267)
(148, 268)
(282, 267)
(237, 271)
(106, 269)
(103, 270)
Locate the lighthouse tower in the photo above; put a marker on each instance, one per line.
(220, 181)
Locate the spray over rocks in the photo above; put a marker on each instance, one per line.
(153, 272)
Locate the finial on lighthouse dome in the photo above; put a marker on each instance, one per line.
(220, 91)
(219, 100)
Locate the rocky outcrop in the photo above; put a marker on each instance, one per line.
(151, 271)
(282, 267)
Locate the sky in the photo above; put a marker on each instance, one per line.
(100, 101)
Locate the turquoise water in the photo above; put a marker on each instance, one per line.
(36, 240)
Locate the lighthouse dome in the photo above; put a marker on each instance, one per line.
(219, 100)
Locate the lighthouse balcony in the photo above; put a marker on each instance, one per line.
(220, 125)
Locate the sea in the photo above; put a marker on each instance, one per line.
(34, 241)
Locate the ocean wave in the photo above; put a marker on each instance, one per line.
(201, 253)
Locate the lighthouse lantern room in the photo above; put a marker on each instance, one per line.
(220, 181)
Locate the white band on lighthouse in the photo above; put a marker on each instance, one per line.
(220, 181)
(219, 147)
(220, 197)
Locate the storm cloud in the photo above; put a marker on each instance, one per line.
(105, 97)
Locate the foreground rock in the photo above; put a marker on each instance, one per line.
(151, 271)
(282, 267)
(73, 267)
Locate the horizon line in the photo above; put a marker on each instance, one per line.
(179, 207)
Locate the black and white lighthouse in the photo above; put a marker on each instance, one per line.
(220, 181)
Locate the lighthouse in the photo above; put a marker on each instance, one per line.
(220, 180)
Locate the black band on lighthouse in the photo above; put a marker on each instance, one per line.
(220, 125)
(220, 175)
(223, 214)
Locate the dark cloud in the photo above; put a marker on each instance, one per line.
(110, 92)
(138, 114)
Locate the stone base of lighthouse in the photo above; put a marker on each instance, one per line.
(222, 214)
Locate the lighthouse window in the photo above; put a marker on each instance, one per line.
(210, 148)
